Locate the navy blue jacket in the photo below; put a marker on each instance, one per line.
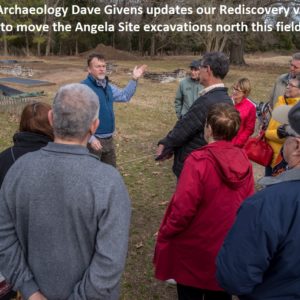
(260, 258)
(106, 112)
(188, 133)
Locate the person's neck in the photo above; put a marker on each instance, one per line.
(104, 78)
(210, 140)
(294, 164)
(69, 141)
(237, 101)
(212, 81)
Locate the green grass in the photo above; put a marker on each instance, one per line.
(8, 125)
(140, 124)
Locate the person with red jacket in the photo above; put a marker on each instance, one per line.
(247, 110)
(215, 180)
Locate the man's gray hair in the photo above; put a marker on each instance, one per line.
(296, 56)
(75, 107)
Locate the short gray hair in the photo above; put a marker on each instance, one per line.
(75, 107)
(296, 56)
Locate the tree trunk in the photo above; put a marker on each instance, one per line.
(236, 49)
(5, 46)
(113, 39)
(38, 49)
(141, 43)
(129, 42)
(209, 43)
(27, 44)
(152, 47)
(223, 44)
(49, 40)
(76, 48)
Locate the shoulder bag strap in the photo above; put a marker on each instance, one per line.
(12, 154)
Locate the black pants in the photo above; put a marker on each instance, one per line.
(190, 293)
(9, 296)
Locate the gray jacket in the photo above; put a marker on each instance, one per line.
(64, 221)
(279, 88)
(187, 93)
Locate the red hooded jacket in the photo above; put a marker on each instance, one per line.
(215, 180)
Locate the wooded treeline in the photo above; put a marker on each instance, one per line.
(147, 43)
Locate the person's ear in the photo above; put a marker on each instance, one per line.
(208, 135)
(209, 130)
(94, 126)
(50, 117)
(297, 148)
(208, 69)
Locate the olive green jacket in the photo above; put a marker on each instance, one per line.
(187, 93)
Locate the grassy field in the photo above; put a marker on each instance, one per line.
(140, 124)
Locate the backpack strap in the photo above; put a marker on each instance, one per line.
(12, 154)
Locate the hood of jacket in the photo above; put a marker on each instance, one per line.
(26, 138)
(289, 175)
(231, 163)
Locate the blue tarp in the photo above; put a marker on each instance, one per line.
(25, 81)
(8, 61)
(7, 91)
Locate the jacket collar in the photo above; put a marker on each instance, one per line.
(285, 79)
(27, 138)
(211, 87)
(98, 82)
(66, 148)
(289, 175)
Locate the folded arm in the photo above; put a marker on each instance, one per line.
(184, 130)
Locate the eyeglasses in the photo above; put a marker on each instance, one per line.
(292, 85)
(237, 89)
(294, 66)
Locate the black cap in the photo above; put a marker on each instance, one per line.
(195, 64)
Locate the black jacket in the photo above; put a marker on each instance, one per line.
(188, 133)
(24, 142)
